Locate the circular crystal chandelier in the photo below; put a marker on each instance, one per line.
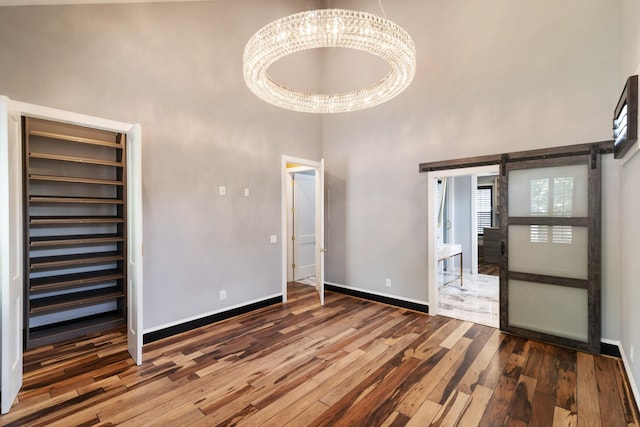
(329, 28)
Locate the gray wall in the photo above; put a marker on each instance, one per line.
(462, 217)
(629, 211)
(177, 69)
(485, 83)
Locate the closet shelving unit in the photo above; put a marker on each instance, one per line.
(75, 231)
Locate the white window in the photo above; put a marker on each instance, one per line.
(551, 198)
(484, 208)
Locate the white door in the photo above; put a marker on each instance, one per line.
(304, 224)
(320, 248)
(134, 250)
(10, 252)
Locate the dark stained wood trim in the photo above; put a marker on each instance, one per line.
(548, 161)
(549, 280)
(594, 251)
(504, 245)
(193, 324)
(551, 339)
(26, 212)
(550, 221)
(467, 162)
(604, 147)
(422, 308)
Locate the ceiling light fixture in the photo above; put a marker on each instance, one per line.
(329, 28)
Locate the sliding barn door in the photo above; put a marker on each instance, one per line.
(550, 266)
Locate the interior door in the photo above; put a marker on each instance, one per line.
(304, 226)
(134, 249)
(550, 264)
(10, 253)
(320, 248)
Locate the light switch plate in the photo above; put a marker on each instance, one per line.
(273, 238)
(222, 190)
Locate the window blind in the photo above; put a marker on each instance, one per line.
(484, 208)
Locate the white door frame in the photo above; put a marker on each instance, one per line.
(11, 259)
(305, 164)
(134, 204)
(432, 223)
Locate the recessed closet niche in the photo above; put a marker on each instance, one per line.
(75, 231)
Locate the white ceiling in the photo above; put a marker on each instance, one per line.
(51, 2)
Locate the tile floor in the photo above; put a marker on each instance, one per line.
(476, 301)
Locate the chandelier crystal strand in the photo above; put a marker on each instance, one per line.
(329, 28)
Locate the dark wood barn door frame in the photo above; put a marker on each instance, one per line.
(589, 153)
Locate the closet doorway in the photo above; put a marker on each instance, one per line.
(11, 242)
(303, 224)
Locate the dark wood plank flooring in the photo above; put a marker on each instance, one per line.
(349, 363)
(487, 268)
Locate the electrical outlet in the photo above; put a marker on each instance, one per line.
(222, 190)
(223, 295)
(246, 192)
(387, 283)
(631, 354)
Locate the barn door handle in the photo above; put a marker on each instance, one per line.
(502, 248)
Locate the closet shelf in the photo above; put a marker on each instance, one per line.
(73, 159)
(68, 281)
(74, 300)
(75, 231)
(74, 179)
(74, 239)
(49, 334)
(74, 260)
(72, 138)
(77, 200)
(62, 220)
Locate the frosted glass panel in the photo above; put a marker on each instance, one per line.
(557, 191)
(550, 250)
(554, 310)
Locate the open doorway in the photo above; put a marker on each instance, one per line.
(12, 230)
(303, 225)
(486, 201)
(301, 262)
(461, 283)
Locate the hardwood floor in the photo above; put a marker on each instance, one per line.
(349, 363)
(486, 268)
